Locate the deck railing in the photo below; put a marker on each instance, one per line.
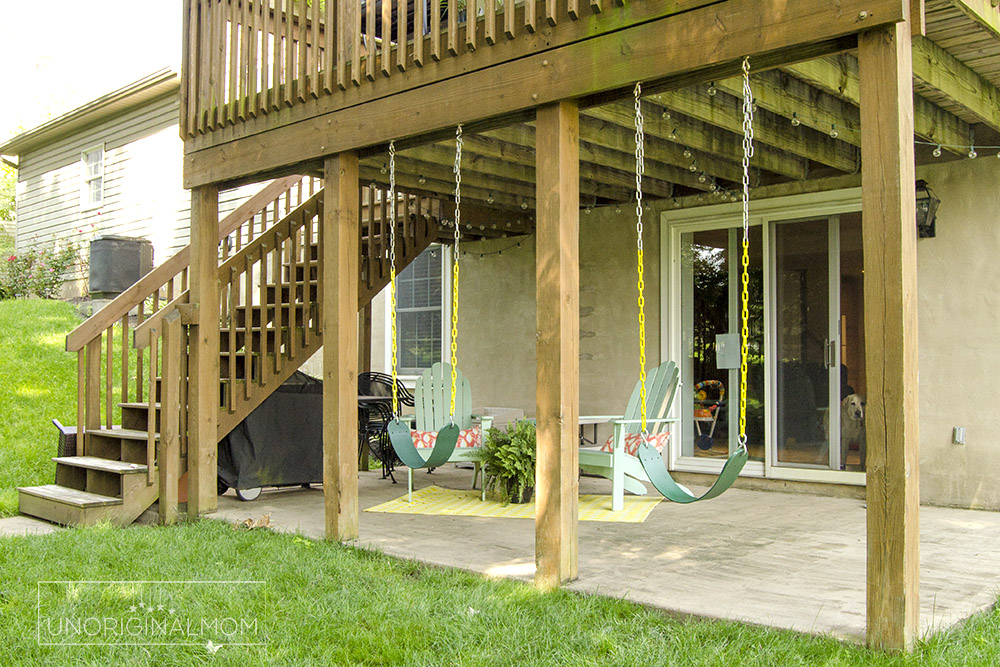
(111, 368)
(244, 59)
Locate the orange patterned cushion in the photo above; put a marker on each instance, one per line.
(468, 437)
(632, 440)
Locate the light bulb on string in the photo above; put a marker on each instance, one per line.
(972, 152)
(712, 90)
(421, 179)
(524, 205)
(693, 168)
(937, 151)
(687, 153)
(833, 131)
(673, 135)
(383, 169)
(489, 198)
(665, 115)
(702, 177)
(795, 120)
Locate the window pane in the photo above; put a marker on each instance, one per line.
(94, 191)
(419, 338)
(92, 160)
(419, 318)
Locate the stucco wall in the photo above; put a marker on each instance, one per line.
(959, 336)
(497, 321)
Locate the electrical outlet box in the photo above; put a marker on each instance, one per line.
(958, 435)
(727, 351)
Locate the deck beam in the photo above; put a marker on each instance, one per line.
(703, 44)
(890, 290)
(558, 343)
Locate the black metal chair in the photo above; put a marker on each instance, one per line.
(374, 417)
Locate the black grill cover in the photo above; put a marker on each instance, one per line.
(280, 442)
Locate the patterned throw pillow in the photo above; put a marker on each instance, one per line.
(632, 440)
(468, 437)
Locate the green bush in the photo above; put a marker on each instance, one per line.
(509, 461)
(38, 272)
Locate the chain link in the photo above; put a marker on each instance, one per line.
(454, 284)
(640, 166)
(392, 271)
(745, 295)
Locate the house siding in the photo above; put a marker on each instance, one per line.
(143, 193)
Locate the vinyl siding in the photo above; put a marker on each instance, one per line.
(143, 195)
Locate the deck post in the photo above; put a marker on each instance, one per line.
(203, 401)
(889, 214)
(557, 159)
(341, 220)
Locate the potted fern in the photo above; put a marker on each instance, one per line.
(509, 462)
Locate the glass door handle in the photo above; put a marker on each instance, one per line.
(829, 353)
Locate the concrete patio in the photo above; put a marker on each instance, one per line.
(784, 560)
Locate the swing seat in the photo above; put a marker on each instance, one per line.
(628, 471)
(432, 406)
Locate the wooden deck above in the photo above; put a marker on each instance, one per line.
(275, 95)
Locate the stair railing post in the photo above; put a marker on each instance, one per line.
(168, 459)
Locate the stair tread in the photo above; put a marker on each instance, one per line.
(96, 463)
(68, 496)
(139, 405)
(126, 433)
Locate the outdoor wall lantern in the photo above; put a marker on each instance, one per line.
(927, 206)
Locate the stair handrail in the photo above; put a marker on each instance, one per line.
(153, 281)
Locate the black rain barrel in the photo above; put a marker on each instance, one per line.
(116, 263)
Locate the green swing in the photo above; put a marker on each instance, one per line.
(649, 457)
(399, 430)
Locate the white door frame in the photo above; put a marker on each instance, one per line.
(762, 213)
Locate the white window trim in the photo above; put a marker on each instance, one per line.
(410, 380)
(672, 225)
(85, 179)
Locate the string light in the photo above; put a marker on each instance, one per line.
(937, 151)
(673, 135)
(795, 120)
(833, 131)
(972, 152)
(516, 244)
(712, 90)
(421, 179)
(489, 198)
(687, 153)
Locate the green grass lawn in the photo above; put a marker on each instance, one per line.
(325, 604)
(37, 384)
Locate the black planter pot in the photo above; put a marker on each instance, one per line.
(523, 498)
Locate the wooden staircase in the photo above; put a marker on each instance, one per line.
(270, 269)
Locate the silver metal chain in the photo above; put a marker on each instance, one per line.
(640, 159)
(747, 145)
(458, 186)
(455, 267)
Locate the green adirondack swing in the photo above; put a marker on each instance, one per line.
(649, 405)
(432, 403)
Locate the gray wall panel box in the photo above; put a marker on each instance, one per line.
(116, 263)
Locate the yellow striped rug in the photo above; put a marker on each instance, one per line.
(437, 501)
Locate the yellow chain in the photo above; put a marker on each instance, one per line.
(392, 271)
(640, 156)
(748, 104)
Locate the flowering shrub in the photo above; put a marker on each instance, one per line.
(36, 272)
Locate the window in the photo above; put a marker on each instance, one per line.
(419, 312)
(92, 186)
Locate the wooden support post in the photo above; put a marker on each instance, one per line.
(92, 417)
(341, 215)
(203, 400)
(558, 342)
(169, 455)
(889, 211)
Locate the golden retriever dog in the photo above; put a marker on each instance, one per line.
(852, 428)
